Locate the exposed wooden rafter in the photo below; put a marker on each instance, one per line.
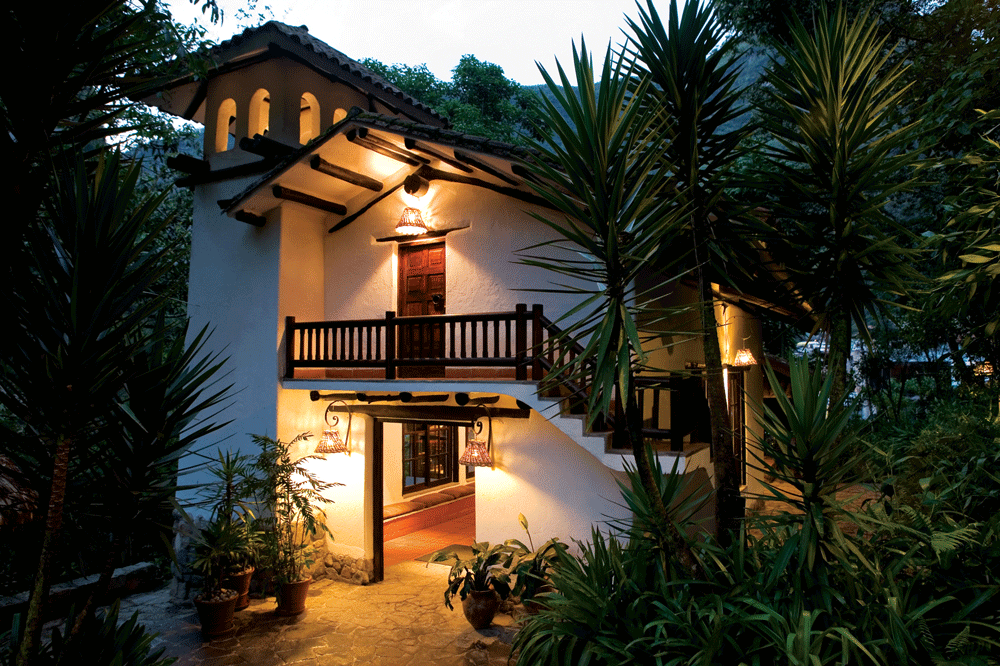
(483, 166)
(238, 171)
(359, 137)
(350, 218)
(346, 175)
(250, 218)
(188, 164)
(281, 192)
(265, 147)
(390, 146)
(430, 173)
(426, 150)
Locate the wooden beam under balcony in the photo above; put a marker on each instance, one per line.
(448, 413)
(288, 194)
(340, 173)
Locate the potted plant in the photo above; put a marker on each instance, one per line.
(216, 545)
(229, 499)
(531, 567)
(481, 581)
(288, 497)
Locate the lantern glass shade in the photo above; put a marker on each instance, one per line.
(331, 442)
(477, 454)
(411, 222)
(744, 357)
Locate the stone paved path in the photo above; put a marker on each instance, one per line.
(401, 621)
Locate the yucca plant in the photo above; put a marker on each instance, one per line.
(837, 156)
(612, 218)
(692, 69)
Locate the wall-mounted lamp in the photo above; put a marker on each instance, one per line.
(477, 450)
(411, 222)
(331, 442)
(744, 357)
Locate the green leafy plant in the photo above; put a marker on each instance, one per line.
(532, 567)
(288, 495)
(103, 638)
(487, 569)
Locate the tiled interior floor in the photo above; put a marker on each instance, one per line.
(461, 529)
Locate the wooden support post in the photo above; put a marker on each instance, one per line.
(390, 345)
(521, 344)
(536, 342)
(378, 521)
(677, 417)
(289, 347)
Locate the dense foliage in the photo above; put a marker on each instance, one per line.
(478, 100)
(908, 579)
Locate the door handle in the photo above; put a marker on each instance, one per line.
(437, 299)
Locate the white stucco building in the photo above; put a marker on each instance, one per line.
(310, 161)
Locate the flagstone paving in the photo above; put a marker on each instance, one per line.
(401, 621)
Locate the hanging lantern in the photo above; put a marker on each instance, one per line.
(411, 223)
(744, 357)
(331, 441)
(477, 450)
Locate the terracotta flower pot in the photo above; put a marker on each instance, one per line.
(531, 606)
(241, 583)
(292, 598)
(480, 607)
(216, 615)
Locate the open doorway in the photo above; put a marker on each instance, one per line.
(429, 500)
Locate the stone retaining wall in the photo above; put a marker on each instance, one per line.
(336, 566)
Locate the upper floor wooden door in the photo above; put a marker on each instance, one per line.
(421, 292)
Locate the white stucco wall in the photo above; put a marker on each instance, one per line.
(482, 273)
(233, 290)
(560, 488)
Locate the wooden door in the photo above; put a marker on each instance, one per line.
(421, 292)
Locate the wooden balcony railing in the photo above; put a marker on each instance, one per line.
(523, 339)
(484, 340)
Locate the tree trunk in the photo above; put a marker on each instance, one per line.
(838, 353)
(676, 542)
(100, 589)
(728, 502)
(35, 617)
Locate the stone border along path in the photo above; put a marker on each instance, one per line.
(401, 621)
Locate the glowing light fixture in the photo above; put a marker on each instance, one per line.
(477, 450)
(331, 441)
(411, 222)
(744, 357)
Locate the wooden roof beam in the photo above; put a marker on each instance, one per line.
(426, 150)
(281, 192)
(430, 173)
(483, 166)
(340, 173)
(359, 137)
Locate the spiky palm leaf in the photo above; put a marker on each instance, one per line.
(838, 157)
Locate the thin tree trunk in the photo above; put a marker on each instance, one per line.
(100, 589)
(35, 617)
(838, 353)
(728, 502)
(676, 541)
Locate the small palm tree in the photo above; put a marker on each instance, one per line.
(603, 179)
(693, 70)
(838, 158)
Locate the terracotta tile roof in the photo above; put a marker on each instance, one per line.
(300, 35)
